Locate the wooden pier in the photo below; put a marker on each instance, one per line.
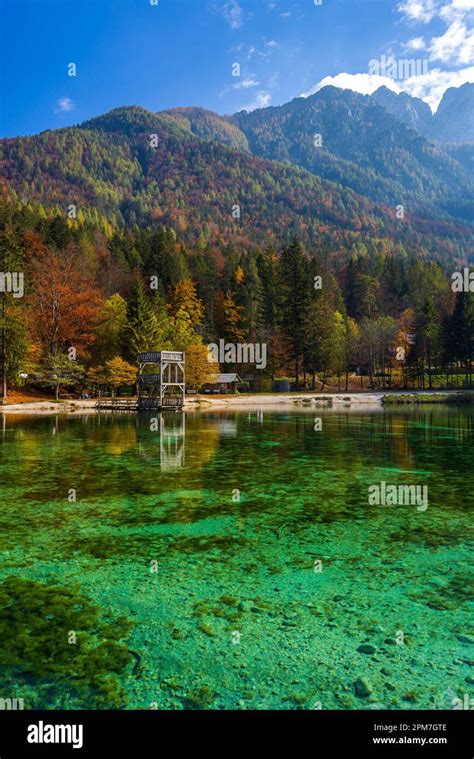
(131, 404)
(116, 404)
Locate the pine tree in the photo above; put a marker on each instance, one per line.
(252, 298)
(462, 331)
(295, 287)
(142, 332)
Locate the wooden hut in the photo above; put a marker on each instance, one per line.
(222, 384)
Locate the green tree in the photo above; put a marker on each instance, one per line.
(110, 330)
(13, 326)
(461, 332)
(59, 370)
(320, 328)
(351, 345)
(142, 330)
(13, 342)
(295, 289)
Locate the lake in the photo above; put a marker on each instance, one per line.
(233, 560)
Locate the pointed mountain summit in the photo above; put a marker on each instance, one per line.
(454, 119)
(412, 111)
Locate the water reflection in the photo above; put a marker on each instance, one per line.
(161, 440)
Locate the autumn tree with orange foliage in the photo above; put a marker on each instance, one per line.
(65, 303)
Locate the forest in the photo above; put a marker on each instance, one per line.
(96, 294)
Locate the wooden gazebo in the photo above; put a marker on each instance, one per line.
(161, 380)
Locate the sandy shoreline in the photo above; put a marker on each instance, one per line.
(242, 402)
(294, 400)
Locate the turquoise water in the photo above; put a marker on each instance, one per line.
(232, 560)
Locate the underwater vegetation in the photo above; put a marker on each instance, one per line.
(237, 613)
(141, 546)
(430, 535)
(458, 591)
(55, 641)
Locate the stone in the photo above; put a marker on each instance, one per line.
(466, 638)
(244, 606)
(362, 687)
(367, 648)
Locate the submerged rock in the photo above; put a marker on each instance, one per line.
(362, 687)
(245, 606)
(367, 648)
(466, 638)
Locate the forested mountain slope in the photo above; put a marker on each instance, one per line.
(363, 147)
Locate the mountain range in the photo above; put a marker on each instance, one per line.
(453, 121)
(365, 146)
(335, 166)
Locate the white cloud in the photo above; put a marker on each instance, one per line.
(232, 13)
(366, 84)
(432, 86)
(272, 81)
(455, 46)
(262, 100)
(456, 9)
(452, 52)
(429, 87)
(245, 84)
(250, 51)
(417, 43)
(418, 10)
(64, 105)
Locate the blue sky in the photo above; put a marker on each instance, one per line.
(181, 52)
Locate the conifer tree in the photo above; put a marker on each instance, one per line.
(295, 289)
(142, 332)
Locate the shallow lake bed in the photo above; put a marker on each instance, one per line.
(232, 560)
